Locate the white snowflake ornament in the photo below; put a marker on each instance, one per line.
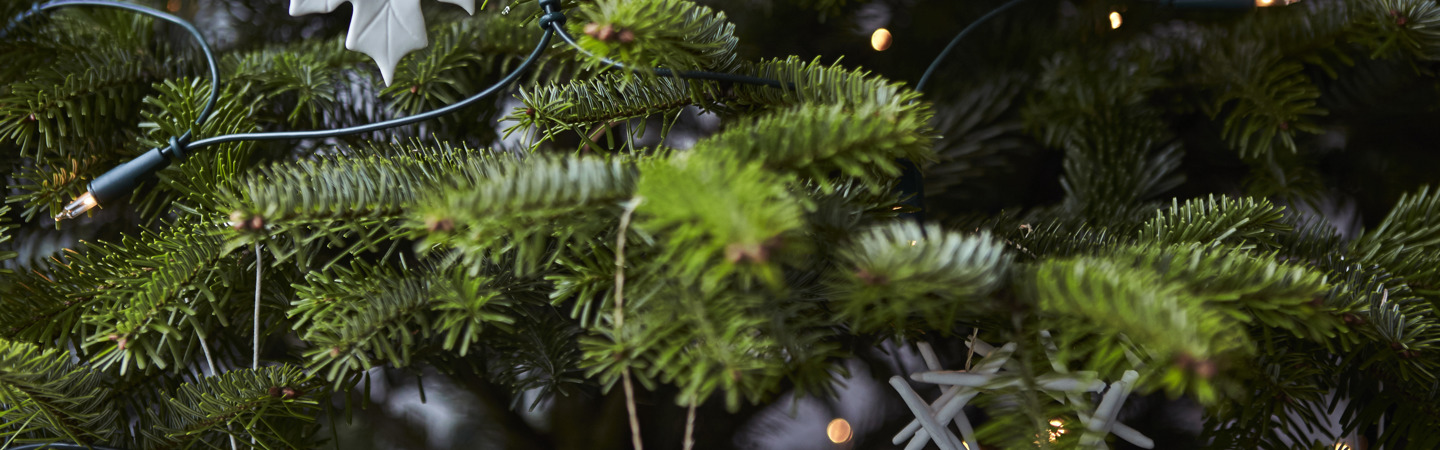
(384, 29)
(931, 418)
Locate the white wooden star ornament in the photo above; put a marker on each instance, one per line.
(384, 29)
(962, 386)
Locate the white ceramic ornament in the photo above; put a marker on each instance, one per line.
(384, 29)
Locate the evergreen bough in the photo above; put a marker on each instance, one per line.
(756, 261)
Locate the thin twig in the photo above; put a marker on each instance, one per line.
(620, 316)
(690, 428)
(255, 356)
(210, 363)
(255, 359)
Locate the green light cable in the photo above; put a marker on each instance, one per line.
(690, 74)
(124, 178)
(210, 61)
(945, 54)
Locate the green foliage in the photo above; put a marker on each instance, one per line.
(522, 204)
(1245, 222)
(361, 317)
(48, 398)
(607, 98)
(816, 83)
(1395, 26)
(757, 262)
(1265, 99)
(274, 405)
(714, 208)
(673, 34)
(1110, 306)
(355, 201)
(1407, 241)
(903, 277)
(864, 141)
(151, 316)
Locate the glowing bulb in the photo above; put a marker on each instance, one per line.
(912, 243)
(77, 207)
(173, 5)
(1058, 431)
(838, 431)
(881, 39)
(1115, 17)
(1342, 446)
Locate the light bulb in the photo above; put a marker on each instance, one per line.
(1058, 431)
(1115, 18)
(838, 431)
(881, 39)
(77, 207)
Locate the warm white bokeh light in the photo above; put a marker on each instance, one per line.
(881, 39)
(1058, 431)
(1115, 18)
(838, 431)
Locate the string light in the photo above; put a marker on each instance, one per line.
(1115, 17)
(1343, 446)
(881, 39)
(1058, 429)
(839, 431)
(77, 207)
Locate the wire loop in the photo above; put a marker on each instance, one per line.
(178, 147)
(552, 19)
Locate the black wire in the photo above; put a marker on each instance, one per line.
(59, 446)
(204, 47)
(690, 74)
(934, 65)
(316, 134)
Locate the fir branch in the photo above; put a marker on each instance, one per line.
(904, 277)
(48, 398)
(523, 205)
(276, 406)
(1116, 165)
(379, 323)
(1407, 27)
(356, 202)
(672, 34)
(359, 317)
(151, 317)
(1245, 222)
(711, 206)
(1257, 289)
(1407, 240)
(816, 83)
(1097, 308)
(543, 357)
(42, 115)
(863, 141)
(604, 99)
(1265, 100)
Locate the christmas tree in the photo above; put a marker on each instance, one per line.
(647, 222)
